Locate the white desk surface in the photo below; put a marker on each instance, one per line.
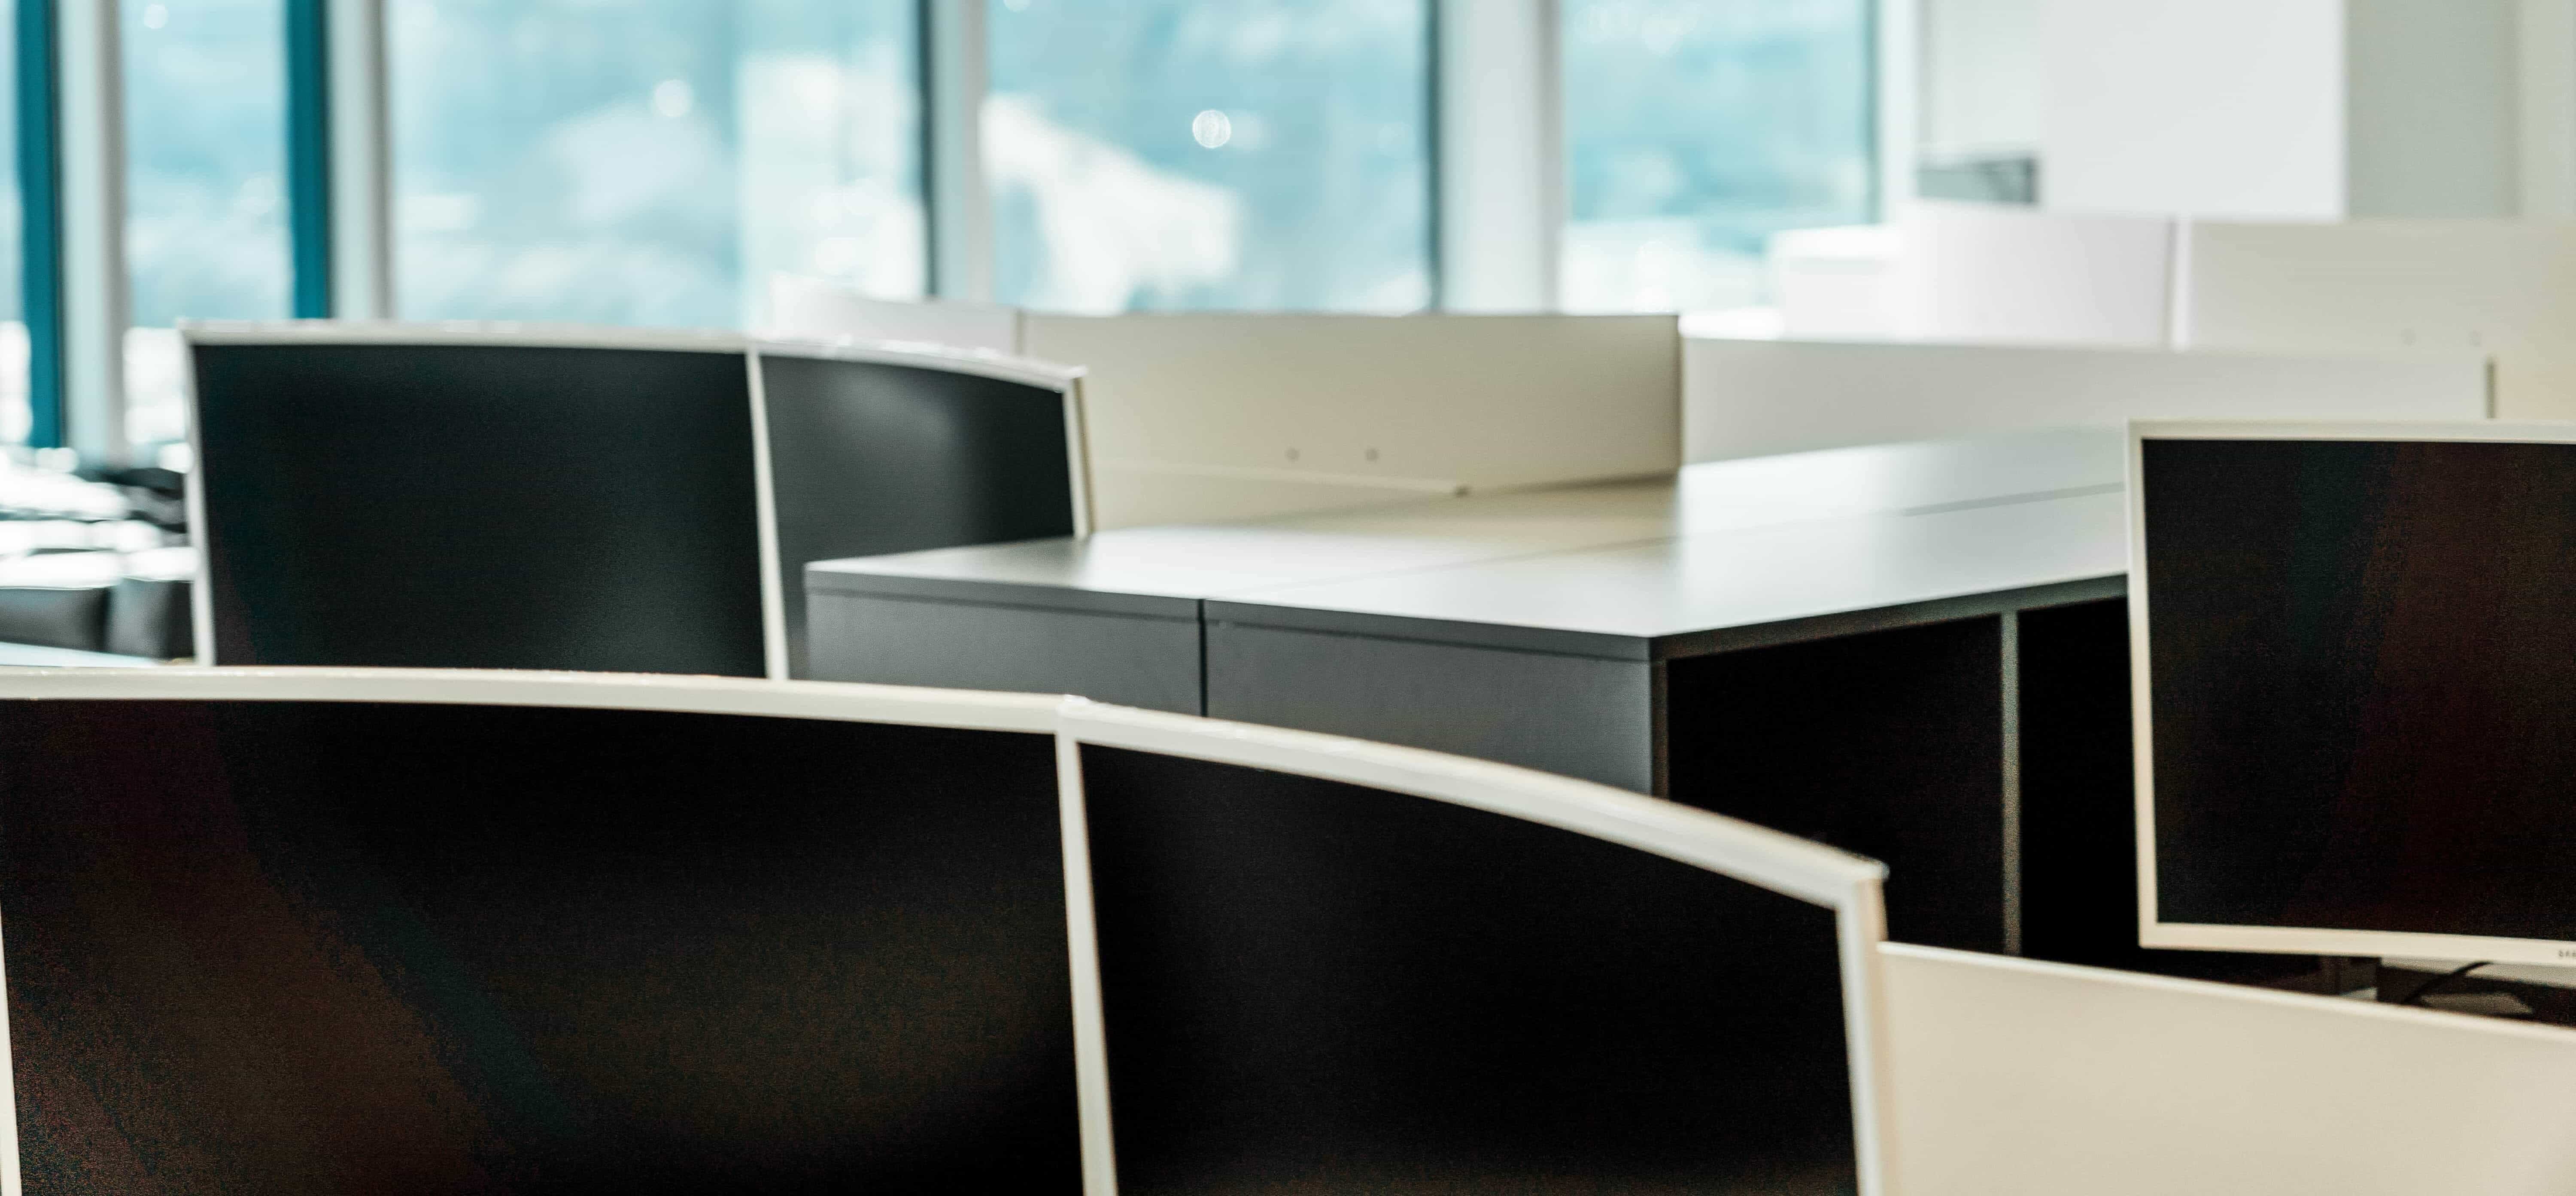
(1166, 570)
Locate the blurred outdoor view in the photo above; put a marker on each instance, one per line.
(1695, 129)
(653, 162)
(1260, 154)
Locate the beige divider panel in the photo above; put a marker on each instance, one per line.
(1234, 415)
(2503, 287)
(1744, 398)
(2014, 1078)
(2011, 274)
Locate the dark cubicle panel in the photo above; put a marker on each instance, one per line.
(1309, 985)
(302, 947)
(1889, 744)
(492, 502)
(877, 451)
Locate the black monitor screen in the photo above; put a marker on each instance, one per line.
(870, 457)
(481, 506)
(2363, 666)
(310, 948)
(1311, 986)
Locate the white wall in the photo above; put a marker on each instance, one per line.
(2212, 107)
(2432, 107)
(1981, 77)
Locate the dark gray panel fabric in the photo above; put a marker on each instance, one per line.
(1573, 715)
(480, 506)
(315, 949)
(869, 458)
(73, 617)
(1319, 987)
(1131, 661)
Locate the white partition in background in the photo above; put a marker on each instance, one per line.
(1998, 273)
(802, 308)
(2502, 287)
(1836, 282)
(2006, 273)
(1746, 398)
(2015, 1078)
(1238, 415)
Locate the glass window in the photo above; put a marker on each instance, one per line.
(651, 162)
(1210, 153)
(205, 145)
(1694, 129)
(16, 417)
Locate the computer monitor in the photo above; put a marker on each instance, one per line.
(1337, 967)
(478, 497)
(2355, 658)
(369, 932)
(878, 449)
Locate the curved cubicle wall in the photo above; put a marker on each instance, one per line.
(498, 496)
(874, 449)
(365, 931)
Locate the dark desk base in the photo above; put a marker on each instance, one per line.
(1985, 757)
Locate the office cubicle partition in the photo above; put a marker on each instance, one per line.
(2016, 1078)
(2503, 288)
(343, 931)
(2014, 274)
(1750, 398)
(492, 496)
(476, 497)
(874, 449)
(365, 932)
(1328, 965)
(1231, 415)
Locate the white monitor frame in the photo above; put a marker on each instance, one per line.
(1064, 380)
(2287, 940)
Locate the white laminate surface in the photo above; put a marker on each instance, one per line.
(1239, 559)
(1750, 576)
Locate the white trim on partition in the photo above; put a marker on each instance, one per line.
(960, 206)
(362, 272)
(1082, 942)
(2152, 930)
(201, 592)
(457, 332)
(1500, 155)
(1861, 930)
(1077, 448)
(1782, 863)
(764, 501)
(96, 298)
(1003, 367)
(900, 705)
(2494, 431)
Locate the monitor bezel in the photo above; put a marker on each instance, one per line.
(2153, 930)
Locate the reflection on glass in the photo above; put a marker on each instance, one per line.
(205, 145)
(1694, 129)
(651, 162)
(1209, 153)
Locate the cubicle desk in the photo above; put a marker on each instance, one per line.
(1917, 652)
